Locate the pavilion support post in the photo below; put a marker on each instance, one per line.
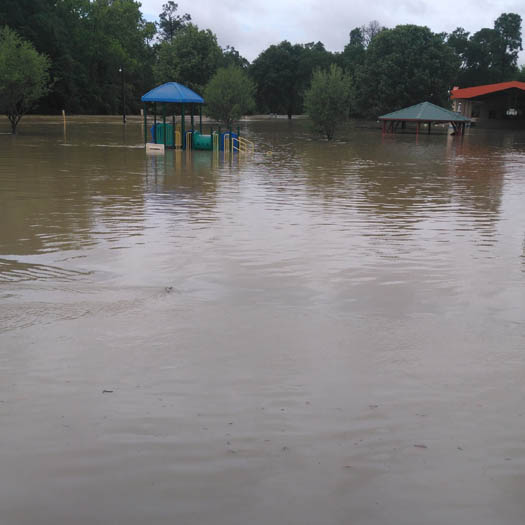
(155, 120)
(429, 127)
(164, 123)
(383, 127)
(417, 129)
(183, 127)
(145, 123)
(200, 118)
(192, 111)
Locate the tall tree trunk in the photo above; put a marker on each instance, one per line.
(14, 119)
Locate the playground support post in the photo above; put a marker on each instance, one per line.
(173, 128)
(183, 127)
(164, 123)
(145, 123)
(192, 111)
(155, 120)
(200, 119)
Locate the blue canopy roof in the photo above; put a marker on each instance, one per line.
(172, 92)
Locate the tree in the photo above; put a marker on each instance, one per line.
(275, 75)
(355, 51)
(232, 57)
(191, 58)
(170, 23)
(24, 76)
(88, 41)
(282, 73)
(403, 66)
(489, 55)
(327, 102)
(229, 95)
(508, 29)
(371, 31)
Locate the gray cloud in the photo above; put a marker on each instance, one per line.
(251, 25)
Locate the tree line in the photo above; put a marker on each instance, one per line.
(98, 53)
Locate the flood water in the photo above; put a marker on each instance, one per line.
(319, 334)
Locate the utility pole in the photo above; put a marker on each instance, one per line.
(121, 71)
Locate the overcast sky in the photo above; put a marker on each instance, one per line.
(252, 25)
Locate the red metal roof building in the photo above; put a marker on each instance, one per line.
(495, 105)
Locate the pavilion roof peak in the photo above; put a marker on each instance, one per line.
(425, 112)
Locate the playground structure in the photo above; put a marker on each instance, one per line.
(174, 96)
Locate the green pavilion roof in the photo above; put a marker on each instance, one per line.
(425, 112)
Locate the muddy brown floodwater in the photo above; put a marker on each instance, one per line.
(321, 334)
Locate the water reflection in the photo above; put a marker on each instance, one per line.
(212, 338)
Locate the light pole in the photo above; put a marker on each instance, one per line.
(121, 71)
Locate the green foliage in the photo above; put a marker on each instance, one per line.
(282, 73)
(403, 66)
(191, 58)
(520, 75)
(24, 76)
(170, 22)
(327, 101)
(232, 57)
(88, 42)
(229, 95)
(354, 52)
(489, 55)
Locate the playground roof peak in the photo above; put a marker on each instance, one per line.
(425, 112)
(172, 92)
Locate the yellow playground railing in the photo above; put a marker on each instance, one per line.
(232, 144)
(227, 143)
(178, 140)
(243, 145)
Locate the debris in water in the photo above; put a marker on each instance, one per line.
(420, 446)
(107, 391)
